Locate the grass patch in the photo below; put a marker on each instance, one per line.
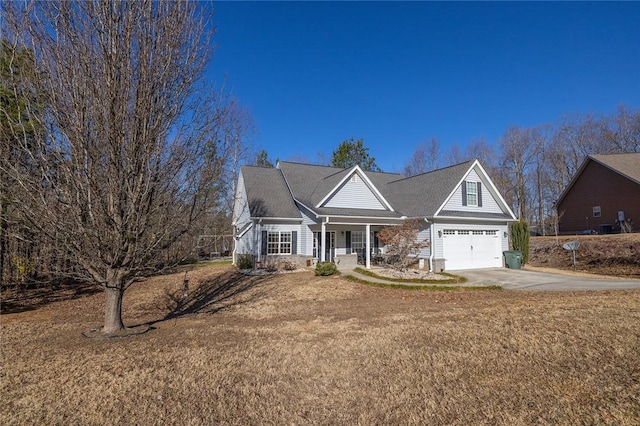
(426, 287)
(453, 279)
(204, 264)
(306, 350)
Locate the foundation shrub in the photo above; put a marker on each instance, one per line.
(325, 269)
(245, 261)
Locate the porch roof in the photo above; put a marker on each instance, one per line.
(356, 213)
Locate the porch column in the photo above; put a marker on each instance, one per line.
(322, 241)
(257, 245)
(368, 249)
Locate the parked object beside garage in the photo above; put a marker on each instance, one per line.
(512, 259)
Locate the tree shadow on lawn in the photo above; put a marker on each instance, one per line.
(213, 295)
(35, 296)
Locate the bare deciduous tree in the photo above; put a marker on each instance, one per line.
(128, 159)
(456, 155)
(424, 158)
(621, 132)
(577, 137)
(519, 148)
(402, 244)
(479, 149)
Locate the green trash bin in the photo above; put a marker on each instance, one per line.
(513, 259)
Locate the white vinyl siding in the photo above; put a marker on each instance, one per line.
(489, 204)
(244, 244)
(306, 235)
(425, 234)
(355, 194)
(241, 220)
(241, 213)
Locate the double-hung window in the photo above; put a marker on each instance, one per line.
(279, 242)
(472, 193)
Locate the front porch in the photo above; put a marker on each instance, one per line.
(347, 244)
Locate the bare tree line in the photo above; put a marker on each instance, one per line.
(532, 166)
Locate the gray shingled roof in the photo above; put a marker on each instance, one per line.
(625, 164)
(423, 194)
(311, 183)
(268, 193)
(415, 196)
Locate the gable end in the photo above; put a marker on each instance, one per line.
(355, 191)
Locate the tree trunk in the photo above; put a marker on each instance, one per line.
(3, 234)
(113, 309)
(541, 227)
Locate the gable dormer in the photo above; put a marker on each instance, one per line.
(355, 191)
(476, 193)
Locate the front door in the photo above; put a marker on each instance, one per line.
(329, 245)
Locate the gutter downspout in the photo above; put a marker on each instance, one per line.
(234, 261)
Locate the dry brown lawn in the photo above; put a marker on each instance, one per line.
(300, 349)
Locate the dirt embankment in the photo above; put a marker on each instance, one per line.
(615, 255)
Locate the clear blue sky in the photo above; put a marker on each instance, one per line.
(397, 73)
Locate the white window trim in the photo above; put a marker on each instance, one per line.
(358, 241)
(279, 244)
(474, 185)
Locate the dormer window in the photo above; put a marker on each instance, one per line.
(471, 194)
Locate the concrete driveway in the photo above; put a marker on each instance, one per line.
(519, 279)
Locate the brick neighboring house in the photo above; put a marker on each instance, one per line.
(604, 192)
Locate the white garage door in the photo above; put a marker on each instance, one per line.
(471, 249)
